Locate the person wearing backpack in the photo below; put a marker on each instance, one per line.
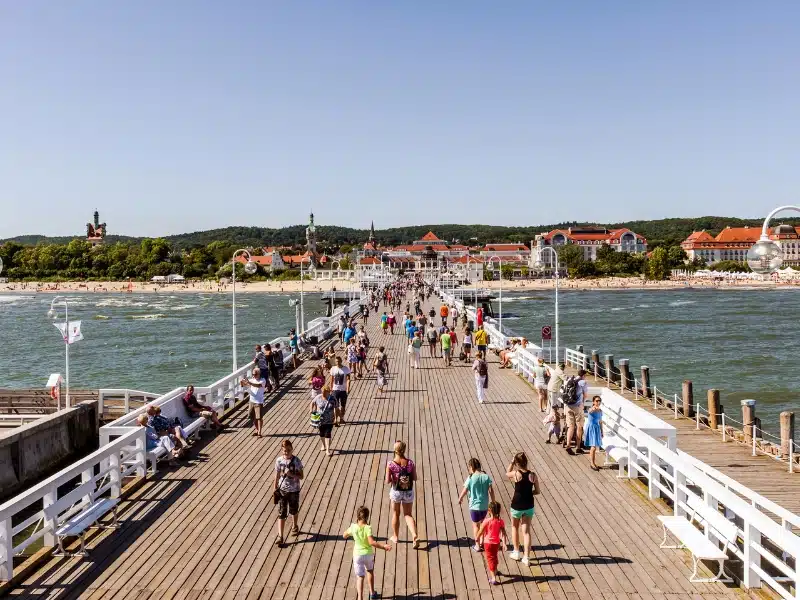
(323, 407)
(573, 392)
(481, 370)
(401, 473)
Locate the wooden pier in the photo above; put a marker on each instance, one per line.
(206, 530)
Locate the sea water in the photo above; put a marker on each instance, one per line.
(741, 341)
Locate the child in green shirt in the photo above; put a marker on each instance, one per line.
(364, 551)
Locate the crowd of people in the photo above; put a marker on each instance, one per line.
(562, 398)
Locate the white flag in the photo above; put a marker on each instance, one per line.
(75, 334)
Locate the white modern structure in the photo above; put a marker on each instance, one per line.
(250, 268)
(766, 255)
(539, 265)
(53, 314)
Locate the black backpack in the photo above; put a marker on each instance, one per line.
(405, 483)
(482, 369)
(569, 391)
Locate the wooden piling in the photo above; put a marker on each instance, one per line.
(787, 432)
(713, 408)
(688, 399)
(596, 363)
(610, 376)
(748, 419)
(646, 382)
(626, 379)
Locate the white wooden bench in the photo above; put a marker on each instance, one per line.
(191, 425)
(697, 542)
(78, 511)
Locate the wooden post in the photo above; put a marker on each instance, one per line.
(610, 377)
(626, 380)
(787, 432)
(646, 381)
(596, 363)
(748, 419)
(688, 398)
(713, 408)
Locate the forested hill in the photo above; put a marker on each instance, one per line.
(658, 232)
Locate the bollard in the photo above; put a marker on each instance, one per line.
(596, 363)
(713, 408)
(748, 419)
(787, 433)
(609, 369)
(688, 398)
(646, 381)
(626, 380)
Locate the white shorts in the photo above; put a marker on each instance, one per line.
(540, 385)
(362, 564)
(400, 497)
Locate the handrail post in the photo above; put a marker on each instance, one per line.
(724, 433)
(655, 397)
(675, 404)
(49, 521)
(791, 456)
(754, 439)
(141, 456)
(697, 416)
(6, 550)
(127, 401)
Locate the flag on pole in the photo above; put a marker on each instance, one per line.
(73, 335)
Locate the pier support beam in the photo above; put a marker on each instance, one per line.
(596, 363)
(645, 391)
(688, 399)
(748, 419)
(787, 432)
(713, 408)
(626, 379)
(610, 375)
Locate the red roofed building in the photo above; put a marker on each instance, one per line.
(590, 239)
(732, 243)
(95, 232)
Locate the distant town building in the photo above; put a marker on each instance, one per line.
(589, 239)
(732, 243)
(95, 232)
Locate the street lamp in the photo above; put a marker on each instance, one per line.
(500, 259)
(250, 268)
(53, 314)
(765, 256)
(539, 264)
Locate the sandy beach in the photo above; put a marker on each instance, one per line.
(611, 283)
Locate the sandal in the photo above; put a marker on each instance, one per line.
(415, 545)
(295, 530)
(278, 541)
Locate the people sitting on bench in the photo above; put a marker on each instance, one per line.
(163, 426)
(195, 409)
(156, 441)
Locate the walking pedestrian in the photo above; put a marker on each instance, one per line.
(433, 339)
(494, 533)
(526, 486)
(317, 380)
(294, 347)
(478, 487)
(352, 355)
(593, 435)
(286, 489)
(384, 325)
(322, 412)
(447, 342)
(466, 345)
(391, 321)
(273, 366)
(416, 348)
(481, 370)
(575, 390)
(256, 403)
(340, 386)
(540, 382)
(481, 339)
(381, 368)
(364, 552)
(401, 473)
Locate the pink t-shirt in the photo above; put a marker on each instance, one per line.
(492, 529)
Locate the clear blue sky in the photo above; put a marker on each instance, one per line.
(181, 115)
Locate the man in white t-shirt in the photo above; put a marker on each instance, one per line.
(340, 385)
(256, 405)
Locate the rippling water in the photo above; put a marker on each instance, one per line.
(744, 342)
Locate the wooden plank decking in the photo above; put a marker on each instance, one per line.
(206, 530)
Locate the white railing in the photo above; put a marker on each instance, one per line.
(768, 549)
(126, 395)
(578, 360)
(101, 473)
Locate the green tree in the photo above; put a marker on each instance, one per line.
(658, 266)
(507, 272)
(570, 257)
(677, 256)
(731, 266)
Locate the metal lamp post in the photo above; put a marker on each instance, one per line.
(766, 256)
(539, 264)
(53, 314)
(500, 260)
(250, 267)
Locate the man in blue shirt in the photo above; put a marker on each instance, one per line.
(349, 332)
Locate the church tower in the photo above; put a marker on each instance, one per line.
(311, 239)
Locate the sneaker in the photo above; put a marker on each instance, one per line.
(476, 548)
(526, 561)
(513, 555)
(374, 595)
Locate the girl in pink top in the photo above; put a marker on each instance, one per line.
(493, 530)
